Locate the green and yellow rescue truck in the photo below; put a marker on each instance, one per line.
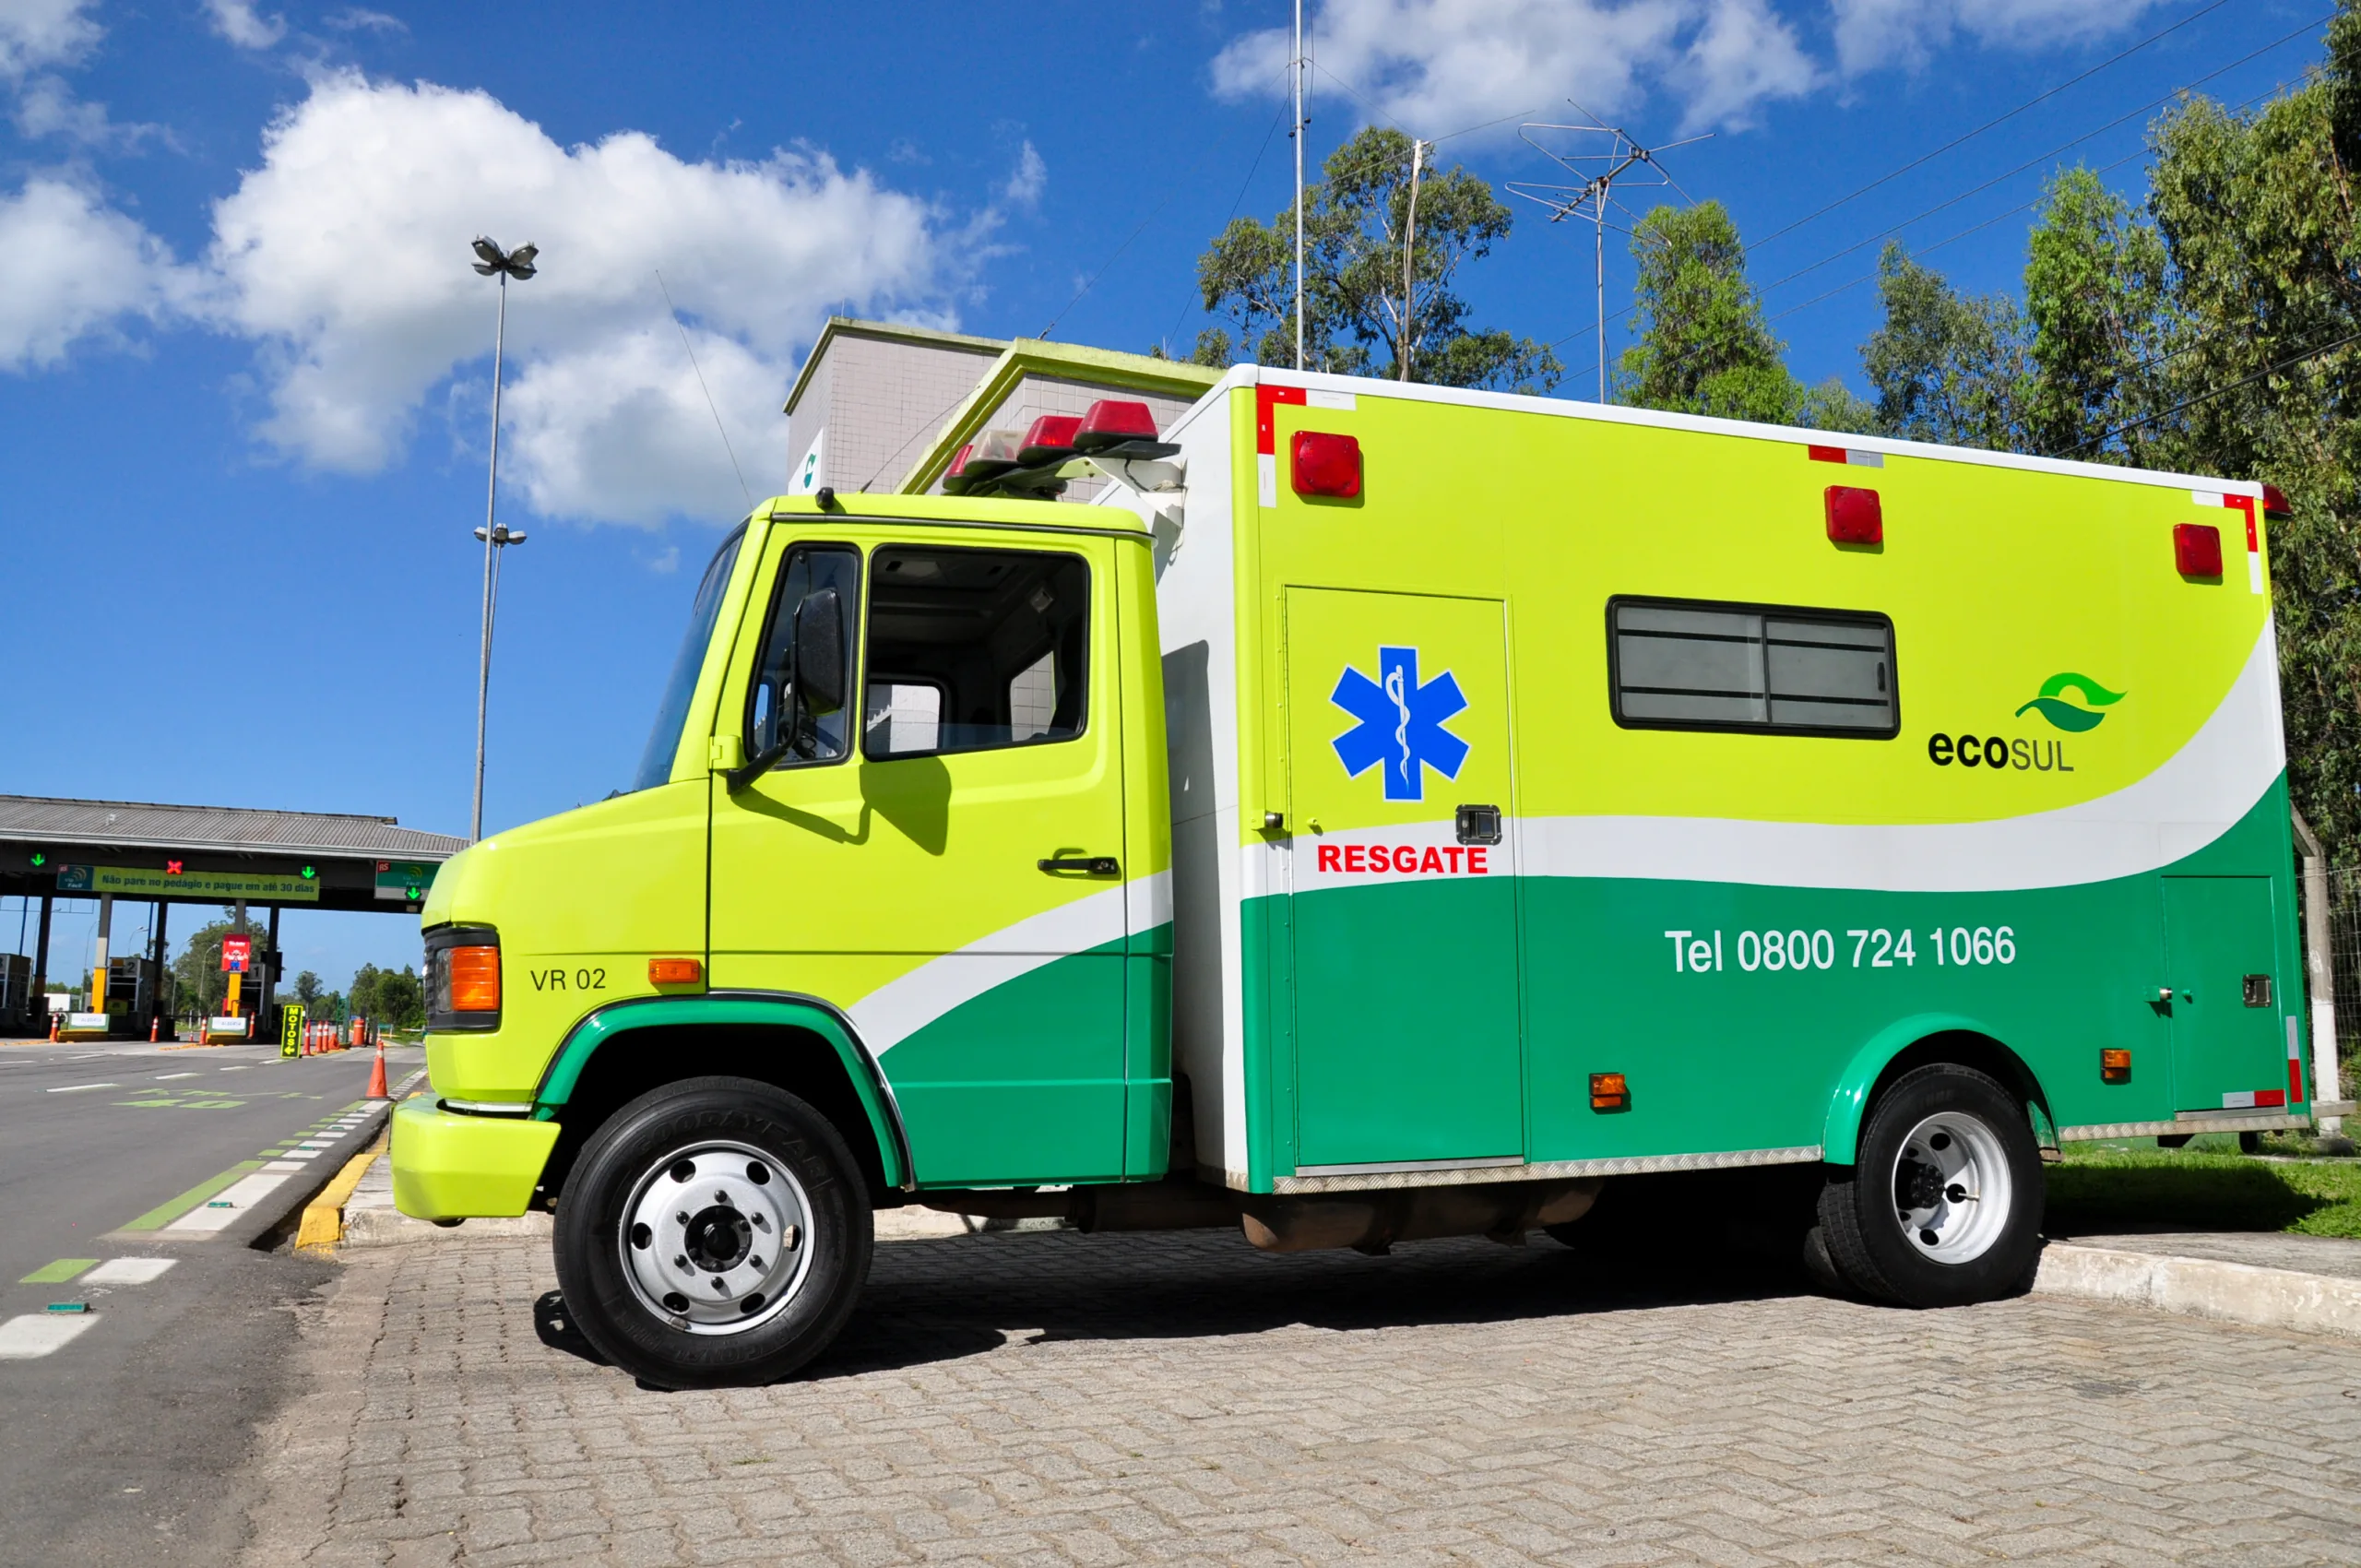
(1387, 811)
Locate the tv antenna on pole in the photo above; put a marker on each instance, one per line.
(1601, 157)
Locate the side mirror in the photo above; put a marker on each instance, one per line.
(820, 653)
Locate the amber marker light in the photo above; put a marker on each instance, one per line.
(475, 979)
(674, 971)
(1608, 1092)
(2115, 1066)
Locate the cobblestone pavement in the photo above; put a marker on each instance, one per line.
(1058, 1399)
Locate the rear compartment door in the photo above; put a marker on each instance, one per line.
(2229, 1042)
(1405, 951)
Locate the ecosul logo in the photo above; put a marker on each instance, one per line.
(2031, 754)
(2051, 703)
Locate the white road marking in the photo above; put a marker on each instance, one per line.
(37, 1334)
(235, 1201)
(285, 1164)
(126, 1271)
(237, 1069)
(77, 1089)
(162, 1077)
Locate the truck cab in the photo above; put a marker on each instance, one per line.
(896, 852)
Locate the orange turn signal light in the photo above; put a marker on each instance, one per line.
(1608, 1092)
(2115, 1066)
(674, 971)
(475, 979)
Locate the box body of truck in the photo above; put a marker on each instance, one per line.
(1386, 793)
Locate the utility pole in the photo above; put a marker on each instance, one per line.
(1409, 250)
(1298, 134)
(1613, 161)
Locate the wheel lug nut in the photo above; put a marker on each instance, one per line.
(753, 1263)
(682, 1217)
(681, 1261)
(761, 1223)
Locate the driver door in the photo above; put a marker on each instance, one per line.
(894, 869)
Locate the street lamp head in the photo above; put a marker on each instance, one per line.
(493, 261)
(481, 534)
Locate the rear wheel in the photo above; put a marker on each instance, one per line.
(1944, 1207)
(713, 1232)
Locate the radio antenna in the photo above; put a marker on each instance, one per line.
(1600, 156)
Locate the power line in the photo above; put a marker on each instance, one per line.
(1998, 120)
(2053, 152)
(2206, 397)
(674, 312)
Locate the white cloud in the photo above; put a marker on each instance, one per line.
(1743, 57)
(238, 21)
(1438, 66)
(34, 33)
(359, 19)
(344, 256)
(71, 267)
(1028, 180)
(1873, 33)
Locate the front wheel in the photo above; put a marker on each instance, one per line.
(713, 1232)
(1944, 1207)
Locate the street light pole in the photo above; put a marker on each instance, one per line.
(503, 265)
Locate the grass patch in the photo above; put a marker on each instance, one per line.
(2111, 1187)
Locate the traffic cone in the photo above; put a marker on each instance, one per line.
(377, 1076)
(53, 1029)
(153, 1026)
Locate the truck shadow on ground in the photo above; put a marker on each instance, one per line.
(939, 1300)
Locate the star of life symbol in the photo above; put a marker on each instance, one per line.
(1401, 723)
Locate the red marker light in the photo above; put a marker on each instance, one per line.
(1051, 439)
(171, 868)
(2197, 550)
(1854, 516)
(2274, 502)
(1326, 464)
(1113, 421)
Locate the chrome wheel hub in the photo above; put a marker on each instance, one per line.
(1952, 1188)
(716, 1238)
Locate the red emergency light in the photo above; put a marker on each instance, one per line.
(1051, 440)
(1326, 464)
(1110, 422)
(2197, 550)
(1854, 516)
(2274, 503)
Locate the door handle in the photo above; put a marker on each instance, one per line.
(1091, 865)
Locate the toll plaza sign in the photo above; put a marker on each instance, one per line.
(162, 882)
(237, 955)
(404, 881)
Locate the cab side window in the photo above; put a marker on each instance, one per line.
(785, 716)
(971, 649)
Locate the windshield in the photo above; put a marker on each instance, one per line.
(673, 711)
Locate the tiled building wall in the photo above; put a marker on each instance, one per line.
(885, 401)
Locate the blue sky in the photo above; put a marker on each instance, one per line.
(244, 366)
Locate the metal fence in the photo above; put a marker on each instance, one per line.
(2344, 949)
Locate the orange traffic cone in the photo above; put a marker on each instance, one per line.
(53, 1029)
(377, 1076)
(153, 1026)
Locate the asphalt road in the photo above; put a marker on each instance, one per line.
(134, 1179)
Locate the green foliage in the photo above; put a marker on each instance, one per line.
(1705, 346)
(2097, 296)
(393, 1000)
(307, 991)
(1946, 367)
(1354, 323)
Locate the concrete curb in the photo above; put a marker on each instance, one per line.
(2227, 1292)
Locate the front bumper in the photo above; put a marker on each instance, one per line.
(447, 1166)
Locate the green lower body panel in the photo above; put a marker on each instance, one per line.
(1425, 1022)
(452, 1167)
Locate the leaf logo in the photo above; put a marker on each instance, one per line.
(2066, 715)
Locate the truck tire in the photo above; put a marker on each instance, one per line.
(1944, 1207)
(713, 1232)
